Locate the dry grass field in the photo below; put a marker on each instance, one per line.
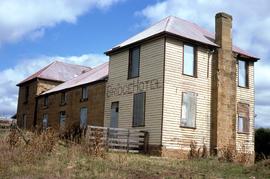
(45, 156)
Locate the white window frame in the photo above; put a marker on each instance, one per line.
(185, 115)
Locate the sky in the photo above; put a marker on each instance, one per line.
(34, 33)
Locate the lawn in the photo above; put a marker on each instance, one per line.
(55, 159)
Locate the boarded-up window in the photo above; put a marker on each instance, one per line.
(243, 73)
(189, 101)
(134, 62)
(45, 121)
(62, 119)
(189, 63)
(83, 117)
(85, 92)
(138, 109)
(243, 118)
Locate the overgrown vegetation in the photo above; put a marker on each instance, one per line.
(46, 156)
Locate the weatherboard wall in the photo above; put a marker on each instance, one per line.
(174, 136)
(150, 81)
(245, 141)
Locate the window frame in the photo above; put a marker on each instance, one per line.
(63, 98)
(195, 65)
(60, 115)
(24, 121)
(246, 73)
(195, 115)
(43, 121)
(133, 113)
(83, 98)
(246, 125)
(26, 94)
(46, 101)
(130, 62)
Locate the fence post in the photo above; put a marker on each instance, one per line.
(107, 138)
(146, 141)
(128, 141)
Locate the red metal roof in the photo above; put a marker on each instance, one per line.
(57, 71)
(98, 73)
(179, 27)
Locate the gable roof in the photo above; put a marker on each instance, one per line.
(98, 73)
(179, 27)
(57, 71)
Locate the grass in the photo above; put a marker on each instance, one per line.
(72, 161)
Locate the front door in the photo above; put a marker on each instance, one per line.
(114, 114)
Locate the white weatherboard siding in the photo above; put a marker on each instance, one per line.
(246, 95)
(174, 136)
(151, 72)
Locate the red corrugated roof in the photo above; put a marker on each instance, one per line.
(58, 71)
(179, 27)
(96, 74)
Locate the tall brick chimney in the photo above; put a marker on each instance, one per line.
(223, 86)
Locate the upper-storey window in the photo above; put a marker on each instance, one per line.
(84, 93)
(26, 94)
(63, 98)
(243, 73)
(189, 61)
(46, 101)
(134, 62)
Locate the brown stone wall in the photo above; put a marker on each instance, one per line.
(223, 86)
(94, 104)
(36, 87)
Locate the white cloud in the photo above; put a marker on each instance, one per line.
(251, 24)
(29, 18)
(11, 76)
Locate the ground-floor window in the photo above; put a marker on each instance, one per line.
(45, 121)
(83, 117)
(243, 118)
(189, 105)
(62, 119)
(139, 109)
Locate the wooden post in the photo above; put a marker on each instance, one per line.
(107, 138)
(146, 141)
(128, 141)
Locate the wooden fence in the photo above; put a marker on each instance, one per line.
(119, 139)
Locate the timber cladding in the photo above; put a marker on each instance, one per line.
(120, 88)
(72, 106)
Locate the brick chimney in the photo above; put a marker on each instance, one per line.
(223, 129)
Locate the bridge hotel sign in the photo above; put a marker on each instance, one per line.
(135, 86)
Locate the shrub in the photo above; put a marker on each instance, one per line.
(262, 143)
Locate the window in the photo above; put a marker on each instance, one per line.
(83, 117)
(85, 93)
(134, 62)
(45, 121)
(189, 62)
(24, 121)
(189, 101)
(138, 109)
(242, 73)
(62, 119)
(243, 118)
(63, 98)
(26, 94)
(46, 101)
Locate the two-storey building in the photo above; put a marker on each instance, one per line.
(183, 84)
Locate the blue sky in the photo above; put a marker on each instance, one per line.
(33, 33)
